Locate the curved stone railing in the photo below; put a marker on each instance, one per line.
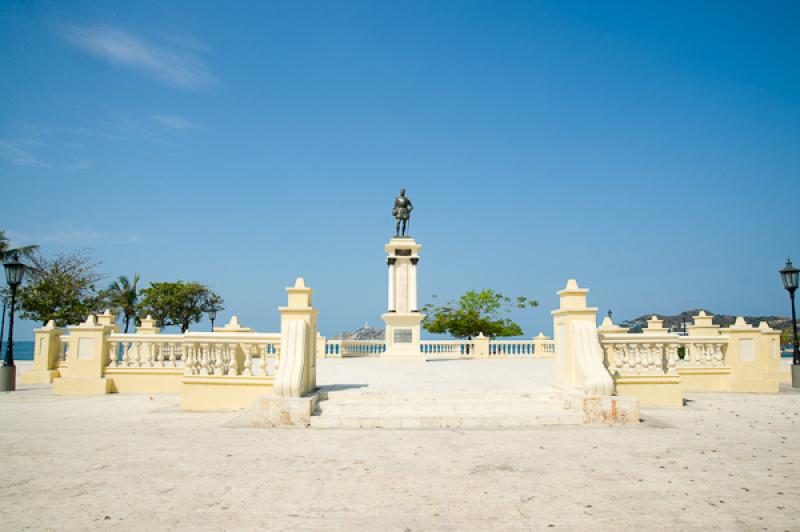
(596, 378)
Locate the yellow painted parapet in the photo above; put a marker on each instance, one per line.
(209, 393)
(46, 350)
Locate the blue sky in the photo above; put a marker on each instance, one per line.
(650, 150)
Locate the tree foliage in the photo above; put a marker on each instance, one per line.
(26, 252)
(179, 303)
(476, 312)
(122, 296)
(786, 336)
(62, 289)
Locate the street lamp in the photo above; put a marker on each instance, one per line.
(212, 315)
(789, 278)
(15, 270)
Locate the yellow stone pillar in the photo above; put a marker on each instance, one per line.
(573, 308)
(539, 341)
(46, 350)
(481, 344)
(299, 308)
(88, 358)
(752, 365)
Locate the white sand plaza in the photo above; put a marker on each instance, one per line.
(135, 461)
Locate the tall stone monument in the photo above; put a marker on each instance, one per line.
(402, 317)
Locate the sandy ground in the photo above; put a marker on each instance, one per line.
(728, 462)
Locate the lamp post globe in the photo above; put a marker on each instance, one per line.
(789, 276)
(212, 315)
(15, 271)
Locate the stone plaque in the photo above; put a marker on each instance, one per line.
(402, 336)
(86, 348)
(747, 350)
(403, 253)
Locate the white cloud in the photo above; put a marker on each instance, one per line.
(180, 67)
(14, 153)
(176, 122)
(61, 234)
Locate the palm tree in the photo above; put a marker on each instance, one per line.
(124, 295)
(5, 251)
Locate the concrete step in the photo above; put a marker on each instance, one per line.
(442, 407)
(366, 395)
(471, 420)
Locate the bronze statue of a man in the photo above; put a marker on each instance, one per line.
(402, 211)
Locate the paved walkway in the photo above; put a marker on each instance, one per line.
(727, 462)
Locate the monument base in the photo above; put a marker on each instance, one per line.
(402, 335)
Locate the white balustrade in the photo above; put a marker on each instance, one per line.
(511, 348)
(214, 354)
(645, 354)
(446, 348)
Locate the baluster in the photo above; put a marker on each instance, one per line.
(636, 359)
(672, 358)
(173, 354)
(233, 363)
(264, 364)
(159, 352)
(718, 355)
(112, 354)
(248, 360)
(205, 367)
(188, 359)
(217, 365)
(148, 357)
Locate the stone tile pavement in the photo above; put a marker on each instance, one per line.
(729, 462)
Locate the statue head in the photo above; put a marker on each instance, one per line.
(402, 192)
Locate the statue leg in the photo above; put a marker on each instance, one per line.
(397, 230)
(404, 228)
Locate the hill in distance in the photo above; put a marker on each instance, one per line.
(676, 322)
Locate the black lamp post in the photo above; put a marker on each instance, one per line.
(212, 315)
(789, 278)
(15, 270)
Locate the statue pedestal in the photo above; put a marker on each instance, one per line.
(402, 335)
(403, 317)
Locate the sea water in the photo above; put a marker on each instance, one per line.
(22, 350)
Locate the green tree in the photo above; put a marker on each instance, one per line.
(179, 303)
(62, 289)
(786, 336)
(122, 295)
(476, 312)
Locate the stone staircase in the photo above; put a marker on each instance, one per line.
(354, 409)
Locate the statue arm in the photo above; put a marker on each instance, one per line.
(410, 206)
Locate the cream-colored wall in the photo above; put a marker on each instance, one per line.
(652, 390)
(222, 393)
(754, 368)
(145, 380)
